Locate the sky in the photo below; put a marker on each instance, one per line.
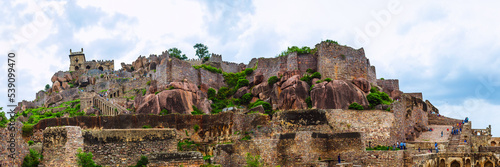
(448, 50)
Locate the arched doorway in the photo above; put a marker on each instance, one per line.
(455, 164)
(493, 143)
(488, 164)
(100, 68)
(442, 163)
(88, 67)
(467, 163)
(77, 68)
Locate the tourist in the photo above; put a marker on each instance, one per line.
(418, 149)
(339, 158)
(441, 133)
(465, 141)
(460, 129)
(436, 144)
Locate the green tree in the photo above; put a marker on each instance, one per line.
(47, 87)
(85, 159)
(201, 50)
(253, 161)
(174, 52)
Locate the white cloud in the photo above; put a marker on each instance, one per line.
(480, 112)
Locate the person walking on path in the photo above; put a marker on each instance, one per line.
(441, 133)
(339, 158)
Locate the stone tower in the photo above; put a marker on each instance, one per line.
(77, 60)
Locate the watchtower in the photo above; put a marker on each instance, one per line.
(77, 60)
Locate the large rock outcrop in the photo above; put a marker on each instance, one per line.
(337, 94)
(180, 99)
(362, 84)
(293, 94)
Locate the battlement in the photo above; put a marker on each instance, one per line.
(215, 58)
(104, 61)
(75, 53)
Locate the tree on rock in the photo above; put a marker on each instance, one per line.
(174, 52)
(201, 51)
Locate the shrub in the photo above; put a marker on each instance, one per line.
(246, 98)
(196, 127)
(211, 93)
(27, 129)
(85, 159)
(209, 68)
(306, 78)
(267, 107)
(309, 102)
(4, 119)
(185, 143)
(32, 159)
(164, 112)
(355, 106)
(374, 99)
(331, 41)
(303, 50)
(144, 91)
(373, 89)
(253, 161)
(146, 126)
(196, 111)
(102, 75)
(382, 79)
(148, 83)
(31, 142)
(316, 75)
(318, 81)
(231, 79)
(246, 137)
(310, 71)
(272, 80)
(223, 93)
(388, 109)
(248, 71)
(328, 79)
(142, 162)
(242, 82)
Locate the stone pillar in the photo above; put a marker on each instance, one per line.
(60, 145)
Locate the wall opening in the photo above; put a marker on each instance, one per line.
(442, 163)
(488, 164)
(493, 143)
(100, 68)
(88, 67)
(76, 68)
(455, 164)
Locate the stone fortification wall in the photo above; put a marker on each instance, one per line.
(180, 70)
(125, 146)
(174, 159)
(378, 126)
(434, 119)
(195, 62)
(231, 67)
(270, 66)
(175, 70)
(306, 61)
(293, 148)
(391, 87)
(12, 148)
(60, 145)
(411, 117)
(341, 62)
(383, 158)
(417, 95)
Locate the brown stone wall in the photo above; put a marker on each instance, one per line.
(12, 148)
(230, 67)
(417, 95)
(378, 126)
(411, 117)
(372, 75)
(180, 70)
(383, 158)
(290, 149)
(306, 61)
(116, 147)
(270, 66)
(60, 145)
(331, 64)
(441, 120)
(175, 159)
(213, 80)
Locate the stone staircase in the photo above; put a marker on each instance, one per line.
(454, 143)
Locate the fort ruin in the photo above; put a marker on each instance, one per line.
(161, 107)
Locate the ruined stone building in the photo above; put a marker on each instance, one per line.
(78, 62)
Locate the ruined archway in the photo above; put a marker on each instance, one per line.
(100, 68)
(488, 164)
(493, 143)
(442, 163)
(455, 164)
(76, 68)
